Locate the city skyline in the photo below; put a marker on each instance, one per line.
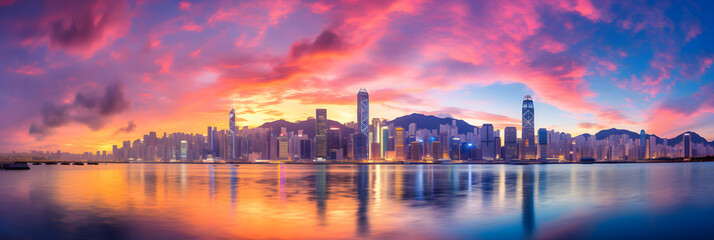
(361, 125)
(385, 141)
(81, 85)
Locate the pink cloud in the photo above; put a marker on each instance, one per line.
(183, 5)
(669, 116)
(80, 27)
(191, 26)
(165, 63)
(31, 69)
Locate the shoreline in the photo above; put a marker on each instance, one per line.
(702, 159)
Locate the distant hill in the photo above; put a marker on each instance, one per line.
(308, 127)
(695, 138)
(430, 122)
(603, 134)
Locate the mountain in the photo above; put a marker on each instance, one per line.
(695, 138)
(603, 134)
(308, 127)
(430, 122)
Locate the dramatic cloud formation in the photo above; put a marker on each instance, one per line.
(589, 64)
(88, 109)
(130, 127)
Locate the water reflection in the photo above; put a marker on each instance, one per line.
(357, 201)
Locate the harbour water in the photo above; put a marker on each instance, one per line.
(173, 201)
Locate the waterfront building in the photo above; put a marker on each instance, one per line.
(363, 113)
(528, 128)
(399, 144)
(687, 145)
(510, 143)
(321, 132)
(232, 131)
(385, 141)
(436, 150)
(359, 146)
(487, 142)
(643, 147)
(375, 139)
(543, 143)
(415, 149)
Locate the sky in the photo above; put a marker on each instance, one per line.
(83, 75)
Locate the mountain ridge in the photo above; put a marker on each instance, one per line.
(432, 122)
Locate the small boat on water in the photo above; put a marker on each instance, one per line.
(36, 163)
(587, 160)
(92, 163)
(15, 166)
(50, 163)
(64, 163)
(77, 163)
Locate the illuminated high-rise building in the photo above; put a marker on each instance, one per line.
(333, 142)
(210, 140)
(184, 149)
(543, 143)
(359, 146)
(510, 143)
(399, 144)
(687, 145)
(363, 111)
(283, 153)
(643, 145)
(321, 133)
(487, 142)
(385, 140)
(436, 150)
(374, 146)
(232, 131)
(528, 129)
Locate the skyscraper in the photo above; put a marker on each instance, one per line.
(232, 131)
(184, 149)
(305, 149)
(321, 132)
(209, 140)
(643, 145)
(510, 142)
(543, 143)
(359, 146)
(487, 145)
(363, 111)
(399, 144)
(687, 144)
(375, 147)
(385, 140)
(528, 129)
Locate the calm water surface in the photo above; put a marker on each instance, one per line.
(170, 201)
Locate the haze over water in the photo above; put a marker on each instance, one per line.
(161, 201)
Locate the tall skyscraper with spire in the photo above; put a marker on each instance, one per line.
(363, 117)
(363, 111)
(528, 128)
(232, 130)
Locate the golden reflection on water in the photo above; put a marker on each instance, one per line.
(343, 201)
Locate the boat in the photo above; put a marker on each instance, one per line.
(50, 163)
(36, 163)
(64, 163)
(15, 166)
(77, 163)
(587, 160)
(92, 163)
